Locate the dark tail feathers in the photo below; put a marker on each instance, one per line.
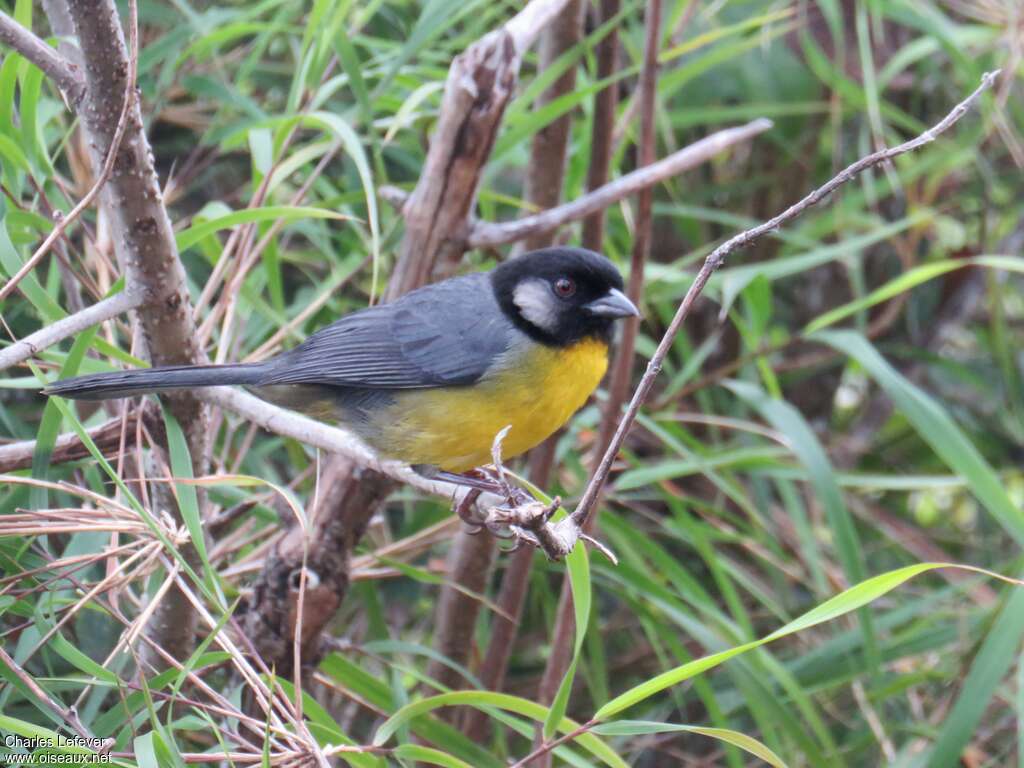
(107, 386)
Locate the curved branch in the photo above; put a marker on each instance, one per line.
(484, 234)
(62, 72)
(317, 434)
(101, 311)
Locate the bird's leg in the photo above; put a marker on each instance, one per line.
(464, 509)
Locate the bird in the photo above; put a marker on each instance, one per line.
(431, 378)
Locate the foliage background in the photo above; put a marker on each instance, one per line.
(770, 471)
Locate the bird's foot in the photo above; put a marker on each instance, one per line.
(520, 517)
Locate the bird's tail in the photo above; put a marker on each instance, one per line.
(106, 386)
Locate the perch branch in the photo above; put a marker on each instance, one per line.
(61, 71)
(484, 234)
(717, 257)
(317, 434)
(101, 311)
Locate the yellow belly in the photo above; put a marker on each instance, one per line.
(454, 428)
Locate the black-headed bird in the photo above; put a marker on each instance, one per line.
(431, 378)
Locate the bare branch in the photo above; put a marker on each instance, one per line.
(484, 234)
(317, 434)
(582, 512)
(525, 26)
(69, 446)
(62, 72)
(101, 311)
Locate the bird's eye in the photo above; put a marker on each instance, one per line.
(565, 287)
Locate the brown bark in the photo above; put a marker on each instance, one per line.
(479, 86)
(601, 141)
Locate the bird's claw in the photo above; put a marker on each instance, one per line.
(521, 518)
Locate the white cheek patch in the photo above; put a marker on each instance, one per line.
(537, 304)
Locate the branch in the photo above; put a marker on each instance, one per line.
(583, 511)
(62, 72)
(484, 234)
(601, 136)
(69, 446)
(101, 311)
(318, 435)
(526, 25)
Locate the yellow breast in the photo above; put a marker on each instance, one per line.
(453, 428)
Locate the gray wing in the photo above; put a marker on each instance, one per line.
(443, 334)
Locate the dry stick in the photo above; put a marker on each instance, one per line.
(318, 435)
(714, 261)
(105, 171)
(61, 71)
(486, 234)
(49, 335)
(601, 139)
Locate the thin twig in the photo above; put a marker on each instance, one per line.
(100, 312)
(61, 71)
(105, 171)
(548, 746)
(69, 446)
(718, 256)
(486, 234)
(601, 137)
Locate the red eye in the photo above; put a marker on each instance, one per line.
(565, 287)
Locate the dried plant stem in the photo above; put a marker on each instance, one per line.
(584, 509)
(66, 327)
(484, 234)
(601, 136)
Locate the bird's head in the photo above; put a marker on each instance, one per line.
(559, 296)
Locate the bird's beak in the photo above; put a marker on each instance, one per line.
(613, 304)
